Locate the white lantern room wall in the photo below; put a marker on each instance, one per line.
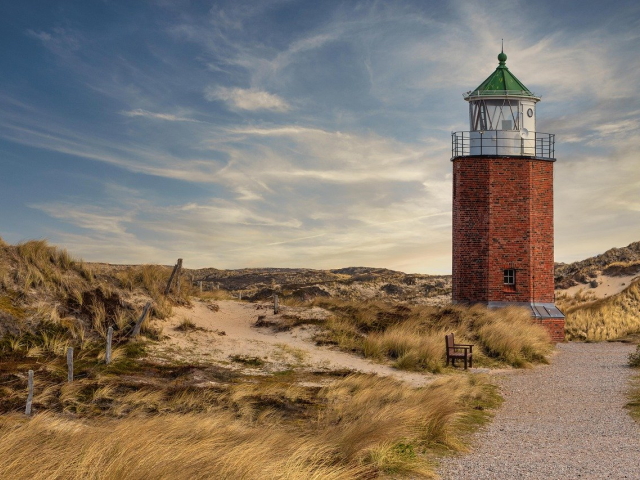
(502, 125)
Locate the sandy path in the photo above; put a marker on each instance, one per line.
(279, 350)
(561, 421)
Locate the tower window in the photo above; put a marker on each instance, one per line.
(507, 125)
(510, 276)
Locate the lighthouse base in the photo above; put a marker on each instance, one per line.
(545, 314)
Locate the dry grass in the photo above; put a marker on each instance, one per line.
(413, 336)
(634, 358)
(49, 298)
(606, 319)
(565, 302)
(170, 447)
(634, 392)
(137, 419)
(358, 427)
(622, 268)
(187, 325)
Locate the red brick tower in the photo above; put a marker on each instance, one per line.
(503, 202)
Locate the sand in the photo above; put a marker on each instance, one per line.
(230, 332)
(607, 286)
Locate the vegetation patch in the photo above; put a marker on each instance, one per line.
(412, 336)
(247, 360)
(605, 319)
(634, 358)
(359, 426)
(188, 325)
(634, 398)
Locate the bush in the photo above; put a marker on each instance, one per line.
(634, 358)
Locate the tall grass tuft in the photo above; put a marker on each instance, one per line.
(606, 319)
(634, 358)
(361, 426)
(412, 337)
(510, 335)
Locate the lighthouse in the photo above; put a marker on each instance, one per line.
(503, 202)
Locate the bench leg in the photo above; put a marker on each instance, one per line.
(465, 361)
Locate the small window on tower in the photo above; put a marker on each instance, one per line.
(507, 125)
(510, 277)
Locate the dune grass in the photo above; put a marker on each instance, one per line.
(606, 319)
(50, 300)
(634, 358)
(634, 391)
(413, 336)
(361, 426)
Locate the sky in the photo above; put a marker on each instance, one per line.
(311, 134)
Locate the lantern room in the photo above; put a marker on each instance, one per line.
(502, 119)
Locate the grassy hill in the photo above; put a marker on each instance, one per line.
(140, 417)
(609, 318)
(589, 318)
(613, 262)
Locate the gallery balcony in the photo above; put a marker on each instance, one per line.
(503, 143)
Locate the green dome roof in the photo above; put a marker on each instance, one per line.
(501, 82)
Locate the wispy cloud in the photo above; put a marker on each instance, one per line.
(138, 112)
(247, 99)
(90, 217)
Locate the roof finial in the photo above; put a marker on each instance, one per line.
(502, 57)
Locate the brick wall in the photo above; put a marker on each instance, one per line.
(555, 327)
(470, 231)
(502, 219)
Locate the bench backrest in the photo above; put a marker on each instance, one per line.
(449, 343)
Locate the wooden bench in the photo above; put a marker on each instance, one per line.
(458, 350)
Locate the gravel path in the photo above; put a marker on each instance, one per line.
(560, 421)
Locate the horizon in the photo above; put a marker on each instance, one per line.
(298, 134)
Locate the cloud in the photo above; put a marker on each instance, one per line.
(92, 218)
(354, 167)
(138, 112)
(44, 36)
(59, 41)
(247, 99)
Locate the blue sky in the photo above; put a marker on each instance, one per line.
(299, 133)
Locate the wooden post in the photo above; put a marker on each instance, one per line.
(70, 364)
(27, 411)
(136, 329)
(176, 271)
(240, 296)
(275, 304)
(107, 356)
(200, 285)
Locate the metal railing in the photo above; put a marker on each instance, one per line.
(499, 93)
(503, 143)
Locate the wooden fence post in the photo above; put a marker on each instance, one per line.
(70, 364)
(107, 356)
(200, 285)
(176, 271)
(136, 329)
(275, 304)
(27, 410)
